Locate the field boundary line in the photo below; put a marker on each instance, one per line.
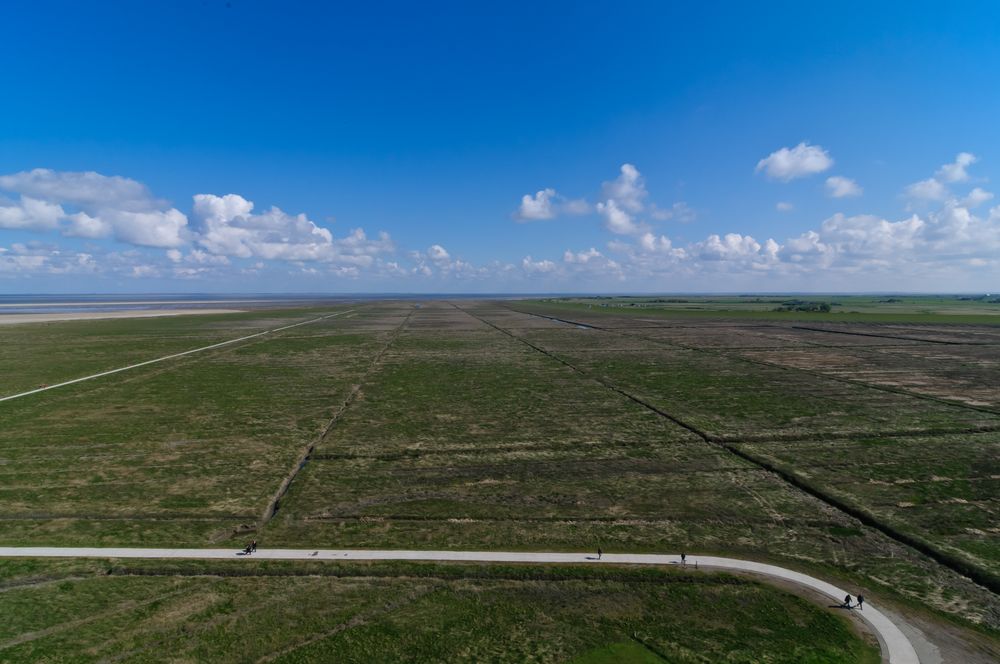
(170, 357)
(982, 577)
(272, 506)
(730, 354)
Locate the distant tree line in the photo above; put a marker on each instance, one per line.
(803, 305)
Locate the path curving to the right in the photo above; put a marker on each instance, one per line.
(896, 647)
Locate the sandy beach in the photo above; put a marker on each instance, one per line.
(15, 319)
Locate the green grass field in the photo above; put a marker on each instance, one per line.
(864, 452)
(961, 309)
(87, 611)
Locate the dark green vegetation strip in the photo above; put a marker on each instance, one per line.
(75, 611)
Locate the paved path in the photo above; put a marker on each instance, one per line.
(170, 357)
(895, 646)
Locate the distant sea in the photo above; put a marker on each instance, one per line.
(45, 304)
(98, 302)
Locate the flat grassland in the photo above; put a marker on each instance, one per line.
(226, 612)
(861, 450)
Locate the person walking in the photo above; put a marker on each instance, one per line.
(847, 601)
(599, 552)
(861, 602)
(253, 546)
(684, 558)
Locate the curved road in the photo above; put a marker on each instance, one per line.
(895, 646)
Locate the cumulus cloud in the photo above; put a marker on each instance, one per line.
(29, 259)
(622, 204)
(30, 214)
(788, 164)
(838, 186)
(87, 190)
(628, 190)
(438, 254)
(227, 226)
(976, 197)
(734, 246)
(104, 205)
(581, 256)
(531, 266)
(616, 219)
(438, 261)
(956, 171)
(927, 190)
(548, 204)
(936, 189)
(82, 224)
(228, 235)
(538, 206)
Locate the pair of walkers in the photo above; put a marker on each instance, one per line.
(251, 547)
(860, 604)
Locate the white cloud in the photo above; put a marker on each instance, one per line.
(438, 261)
(548, 204)
(538, 206)
(438, 254)
(618, 220)
(935, 189)
(628, 190)
(156, 228)
(784, 206)
(652, 244)
(976, 197)
(838, 186)
(731, 246)
(531, 266)
(869, 236)
(581, 256)
(41, 259)
(928, 190)
(622, 199)
(955, 171)
(82, 224)
(31, 214)
(789, 163)
(105, 206)
(87, 190)
(227, 226)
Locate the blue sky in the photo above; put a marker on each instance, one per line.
(663, 140)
